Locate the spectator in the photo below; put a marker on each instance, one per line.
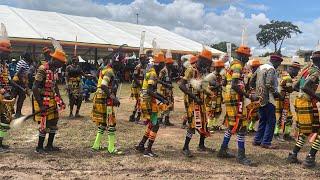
(266, 88)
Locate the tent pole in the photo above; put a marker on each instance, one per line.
(95, 56)
(33, 52)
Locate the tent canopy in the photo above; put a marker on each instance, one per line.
(32, 24)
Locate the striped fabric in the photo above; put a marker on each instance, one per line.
(101, 112)
(23, 66)
(306, 123)
(231, 97)
(316, 143)
(279, 108)
(51, 115)
(302, 138)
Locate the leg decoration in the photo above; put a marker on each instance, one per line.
(310, 159)
(223, 152)
(96, 145)
(293, 156)
(42, 136)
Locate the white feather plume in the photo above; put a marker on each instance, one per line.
(56, 44)
(4, 33)
(155, 47)
(186, 57)
(318, 46)
(196, 83)
(244, 37)
(186, 64)
(209, 77)
(168, 54)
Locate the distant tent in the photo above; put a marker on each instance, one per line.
(81, 60)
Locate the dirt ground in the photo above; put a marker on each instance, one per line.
(76, 161)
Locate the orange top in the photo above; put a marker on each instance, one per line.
(255, 63)
(159, 58)
(244, 50)
(206, 54)
(218, 63)
(59, 55)
(193, 59)
(169, 61)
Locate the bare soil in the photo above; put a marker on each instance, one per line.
(77, 161)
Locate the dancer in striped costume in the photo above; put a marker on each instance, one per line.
(195, 99)
(48, 99)
(6, 101)
(252, 109)
(149, 105)
(307, 111)
(234, 99)
(138, 76)
(283, 112)
(104, 102)
(214, 97)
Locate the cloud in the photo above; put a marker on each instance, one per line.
(186, 17)
(216, 3)
(258, 7)
(75, 7)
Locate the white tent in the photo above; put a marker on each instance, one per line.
(32, 24)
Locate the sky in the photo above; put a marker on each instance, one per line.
(206, 21)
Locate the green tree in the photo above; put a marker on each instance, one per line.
(222, 46)
(275, 33)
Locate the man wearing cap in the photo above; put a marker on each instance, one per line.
(74, 88)
(47, 98)
(252, 108)
(283, 113)
(195, 100)
(267, 89)
(137, 80)
(213, 99)
(307, 111)
(6, 101)
(104, 102)
(234, 100)
(149, 105)
(166, 91)
(21, 79)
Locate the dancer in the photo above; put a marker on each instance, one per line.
(48, 99)
(194, 100)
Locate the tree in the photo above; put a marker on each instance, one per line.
(275, 33)
(222, 46)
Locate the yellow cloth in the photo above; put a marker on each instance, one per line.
(51, 115)
(149, 104)
(102, 111)
(306, 123)
(231, 98)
